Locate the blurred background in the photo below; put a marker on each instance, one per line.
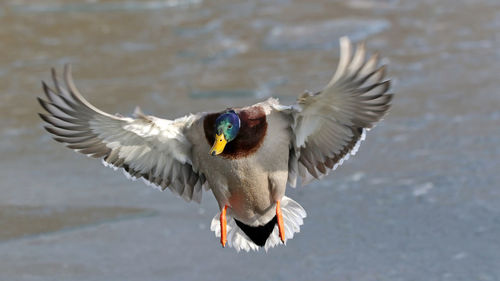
(420, 201)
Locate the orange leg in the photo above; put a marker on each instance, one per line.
(279, 217)
(223, 227)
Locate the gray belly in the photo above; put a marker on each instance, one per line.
(249, 186)
(251, 195)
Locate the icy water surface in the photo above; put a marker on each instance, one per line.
(420, 201)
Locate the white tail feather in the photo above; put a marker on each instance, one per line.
(293, 218)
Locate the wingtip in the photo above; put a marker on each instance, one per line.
(361, 48)
(47, 91)
(345, 45)
(387, 85)
(42, 116)
(68, 76)
(43, 103)
(50, 129)
(344, 39)
(67, 67)
(390, 97)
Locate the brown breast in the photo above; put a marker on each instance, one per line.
(250, 137)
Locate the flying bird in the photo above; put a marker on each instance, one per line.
(246, 156)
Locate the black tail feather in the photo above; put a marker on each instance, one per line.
(258, 234)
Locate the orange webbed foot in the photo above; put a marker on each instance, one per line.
(279, 218)
(223, 227)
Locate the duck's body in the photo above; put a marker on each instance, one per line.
(257, 150)
(259, 166)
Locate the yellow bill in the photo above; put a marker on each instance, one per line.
(219, 144)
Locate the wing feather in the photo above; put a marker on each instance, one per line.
(329, 125)
(146, 147)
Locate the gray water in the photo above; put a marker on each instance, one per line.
(420, 200)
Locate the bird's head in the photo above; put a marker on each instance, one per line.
(227, 126)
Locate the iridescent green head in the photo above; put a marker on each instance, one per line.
(227, 126)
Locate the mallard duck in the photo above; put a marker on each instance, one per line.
(246, 156)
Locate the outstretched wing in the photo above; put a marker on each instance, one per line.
(146, 147)
(330, 124)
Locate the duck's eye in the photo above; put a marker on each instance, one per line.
(229, 126)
